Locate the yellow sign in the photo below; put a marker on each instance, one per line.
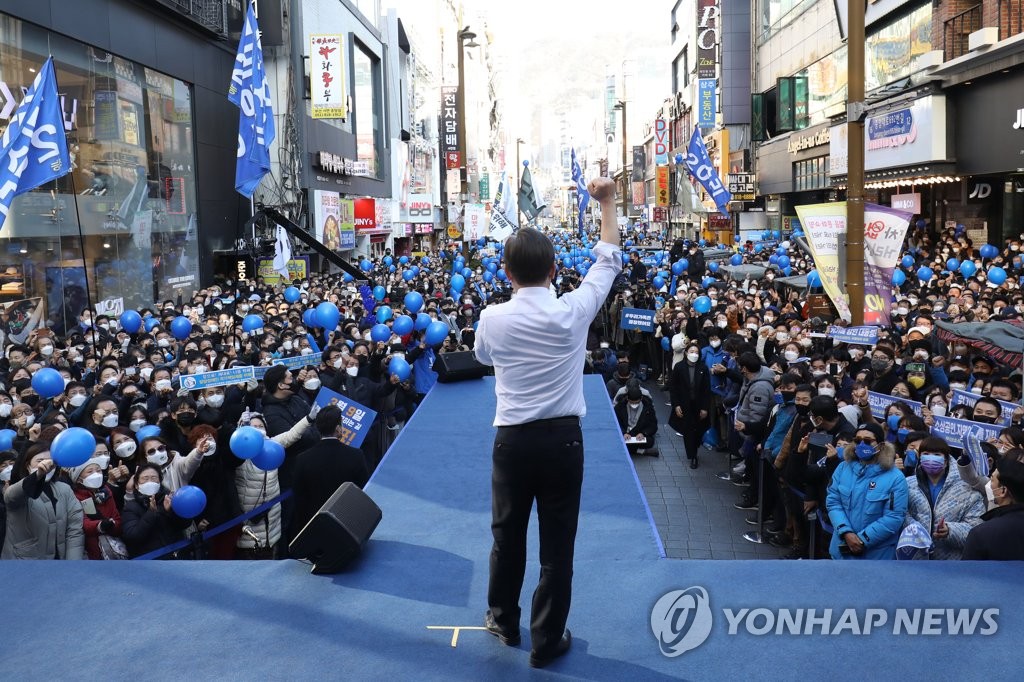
(297, 269)
(661, 186)
(453, 231)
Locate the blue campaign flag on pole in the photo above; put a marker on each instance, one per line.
(34, 148)
(698, 161)
(582, 195)
(250, 92)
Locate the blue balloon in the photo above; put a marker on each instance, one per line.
(458, 283)
(783, 262)
(758, 248)
(658, 282)
(924, 273)
(968, 268)
(250, 323)
(776, 234)
(413, 302)
(492, 267)
(181, 327)
(813, 279)
(908, 261)
(567, 262)
(678, 268)
(436, 333)
(365, 265)
(151, 322)
(467, 273)
(703, 243)
(347, 278)
(388, 260)
(736, 259)
(391, 268)
(787, 271)
(72, 447)
(501, 275)
(380, 333)
(416, 270)
(666, 344)
(7, 437)
(292, 294)
(425, 260)
(246, 442)
(422, 321)
(707, 282)
(403, 259)
(147, 431)
(188, 501)
(898, 278)
(781, 251)
(488, 276)
(309, 318)
(995, 275)
(379, 292)
(408, 275)
(988, 251)
(270, 456)
(403, 325)
(713, 266)
(327, 314)
(131, 322)
(383, 313)
(48, 382)
(398, 367)
(952, 264)
(702, 304)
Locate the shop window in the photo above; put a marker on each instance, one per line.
(119, 231)
(811, 174)
(792, 111)
(367, 105)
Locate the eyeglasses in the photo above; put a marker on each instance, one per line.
(868, 441)
(153, 451)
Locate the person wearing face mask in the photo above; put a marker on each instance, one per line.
(102, 413)
(690, 391)
(637, 420)
(1000, 536)
(867, 499)
(941, 502)
(44, 518)
(883, 368)
(175, 470)
(986, 411)
(101, 516)
(216, 477)
(148, 522)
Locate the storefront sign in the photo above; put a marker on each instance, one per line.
(661, 186)
(707, 38)
(423, 228)
(907, 202)
(418, 209)
(915, 134)
(365, 214)
(741, 186)
(450, 127)
(332, 163)
(799, 143)
(659, 214)
(298, 268)
(639, 197)
(707, 103)
(990, 126)
(660, 142)
(327, 80)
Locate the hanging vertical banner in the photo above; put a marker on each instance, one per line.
(660, 142)
(347, 223)
(661, 186)
(327, 217)
(327, 80)
(475, 223)
(639, 198)
(707, 37)
(823, 226)
(884, 230)
(639, 163)
(450, 127)
(707, 104)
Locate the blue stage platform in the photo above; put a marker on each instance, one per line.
(393, 614)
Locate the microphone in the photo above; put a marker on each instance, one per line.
(255, 538)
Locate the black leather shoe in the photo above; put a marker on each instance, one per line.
(694, 463)
(540, 659)
(506, 638)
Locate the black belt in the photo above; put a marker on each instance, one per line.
(553, 422)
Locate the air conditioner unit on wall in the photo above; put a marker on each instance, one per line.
(984, 37)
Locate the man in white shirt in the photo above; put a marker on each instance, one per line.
(537, 343)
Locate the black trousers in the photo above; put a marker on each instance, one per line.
(540, 461)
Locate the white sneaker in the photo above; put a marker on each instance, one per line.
(678, 434)
(740, 469)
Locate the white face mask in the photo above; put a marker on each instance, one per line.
(306, 351)
(102, 461)
(77, 400)
(163, 343)
(49, 474)
(5, 409)
(830, 392)
(716, 344)
(31, 419)
(136, 424)
(352, 371)
(722, 324)
(163, 384)
(311, 384)
(93, 481)
(693, 357)
(902, 311)
(158, 458)
(215, 400)
(989, 495)
(5, 473)
(47, 351)
(781, 336)
(287, 345)
(211, 451)
(939, 410)
(791, 355)
(149, 488)
(110, 420)
(339, 363)
(976, 390)
(126, 449)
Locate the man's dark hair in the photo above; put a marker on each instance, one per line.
(1004, 383)
(529, 256)
(750, 362)
(327, 420)
(824, 407)
(790, 378)
(1011, 473)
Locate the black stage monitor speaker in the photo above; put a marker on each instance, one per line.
(339, 530)
(458, 366)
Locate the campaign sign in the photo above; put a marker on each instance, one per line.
(221, 377)
(300, 361)
(879, 403)
(259, 372)
(955, 432)
(638, 318)
(864, 336)
(356, 419)
(967, 398)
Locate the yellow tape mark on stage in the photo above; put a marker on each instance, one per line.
(456, 629)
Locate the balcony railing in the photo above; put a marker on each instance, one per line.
(957, 30)
(1011, 18)
(210, 14)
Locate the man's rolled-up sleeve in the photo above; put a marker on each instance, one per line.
(587, 299)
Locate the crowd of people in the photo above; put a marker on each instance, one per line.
(753, 375)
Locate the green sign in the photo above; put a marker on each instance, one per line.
(485, 187)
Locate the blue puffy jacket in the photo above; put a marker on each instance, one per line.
(869, 500)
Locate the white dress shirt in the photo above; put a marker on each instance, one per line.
(536, 343)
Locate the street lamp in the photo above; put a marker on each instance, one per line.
(519, 180)
(621, 106)
(466, 39)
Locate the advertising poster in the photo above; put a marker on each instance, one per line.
(476, 222)
(327, 216)
(18, 319)
(347, 224)
(327, 80)
(298, 268)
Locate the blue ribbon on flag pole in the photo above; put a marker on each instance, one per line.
(34, 147)
(698, 161)
(250, 92)
(582, 195)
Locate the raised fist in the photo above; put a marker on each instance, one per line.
(601, 189)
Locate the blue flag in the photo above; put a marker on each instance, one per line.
(582, 195)
(34, 148)
(699, 164)
(250, 92)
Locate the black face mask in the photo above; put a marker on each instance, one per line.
(788, 396)
(186, 418)
(803, 410)
(984, 420)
